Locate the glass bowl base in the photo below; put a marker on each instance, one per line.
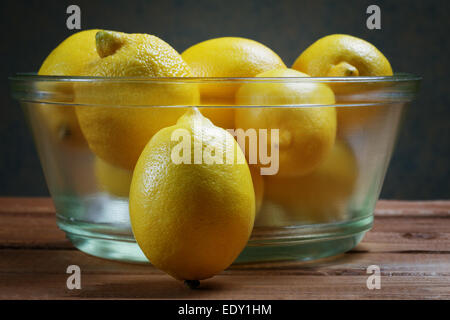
(301, 243)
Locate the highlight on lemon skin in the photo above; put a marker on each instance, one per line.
(227, 57)
(306, 134)
(191, 221)
(116, 133)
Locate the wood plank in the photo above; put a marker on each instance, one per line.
(415, 230)
(52, 286)
(383, 207)
(343, 277)
(30, 223)
(407, 234)
(23, 205)
(413, 208)
(410, 241)
(45, 261)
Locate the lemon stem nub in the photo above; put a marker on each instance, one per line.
(343, 69)
(108, 42)
(192, 284)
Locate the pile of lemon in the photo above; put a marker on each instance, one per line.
(193, 220)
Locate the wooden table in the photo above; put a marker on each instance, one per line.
(410, 241)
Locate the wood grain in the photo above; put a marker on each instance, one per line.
(410, 241)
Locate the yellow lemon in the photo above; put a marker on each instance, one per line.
(227, 57)
(67, 59)
(258, 186)
(63, 126)
(112, 179)
(306, 134)
(71, 56)
(272, 215)
(118, 130)
(321, 196)
(192, 219)
(341, 55)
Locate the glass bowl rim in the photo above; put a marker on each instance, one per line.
(401, 87)
(397, 77)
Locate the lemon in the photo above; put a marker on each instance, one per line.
(62, 124)
(114, 180)
(272, 215)
(306, 134)
(71, 56)
(67, 59)
(192, 220)
(227, 57)
(118, 130)
(321, 196)
(341, 55)
(258, 186)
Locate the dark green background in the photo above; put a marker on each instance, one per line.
(414, 36)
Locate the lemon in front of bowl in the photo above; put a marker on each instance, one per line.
(341, 55)
(321, 196)
(119, 117)
(191, 214)
(227, 57)
(306, 134)
(67, 59)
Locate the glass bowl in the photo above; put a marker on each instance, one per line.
(306, 214)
